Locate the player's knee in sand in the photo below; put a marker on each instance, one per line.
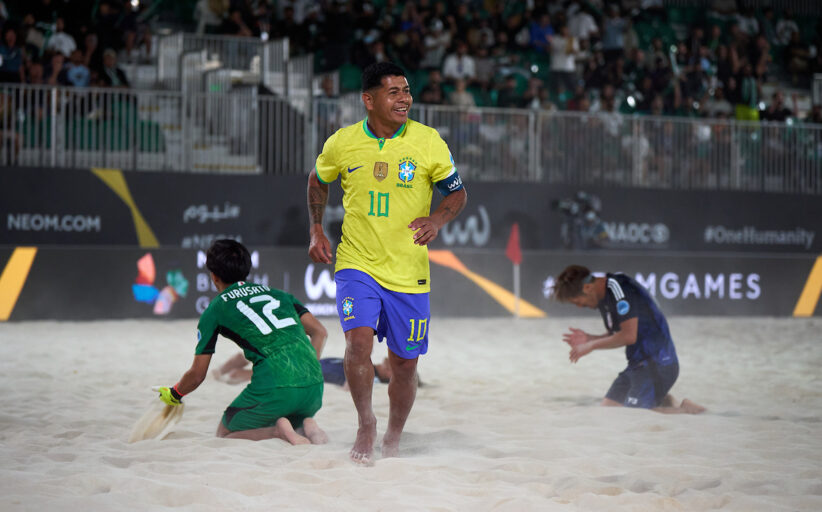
(270, 322)
(632, 320)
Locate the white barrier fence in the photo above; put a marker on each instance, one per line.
(249, 132)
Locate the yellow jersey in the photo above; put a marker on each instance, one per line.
(386, 183)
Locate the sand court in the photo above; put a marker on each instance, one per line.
(504, 423)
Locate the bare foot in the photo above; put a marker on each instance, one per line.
(363, 451)
(691, 407)
(668, 401)
(390, 445)
(313, 432)
(287, 432)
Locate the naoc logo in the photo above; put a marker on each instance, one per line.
(324, 284)
(407, 168)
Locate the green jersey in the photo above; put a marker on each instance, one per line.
(265, 323)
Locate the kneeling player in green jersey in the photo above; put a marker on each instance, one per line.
(286, 387)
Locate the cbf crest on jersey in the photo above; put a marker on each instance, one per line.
(408, 169)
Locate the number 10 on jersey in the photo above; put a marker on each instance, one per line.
(382, 204)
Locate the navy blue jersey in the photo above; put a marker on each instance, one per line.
(626, 299)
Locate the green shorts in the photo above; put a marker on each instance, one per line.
(249, 410)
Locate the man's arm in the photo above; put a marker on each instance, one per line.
(316, 332)
(626, 335)
(195, 375)
(427, 228)
(576, 336)
(319, 248)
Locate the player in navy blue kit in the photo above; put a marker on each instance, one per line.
(633, 321)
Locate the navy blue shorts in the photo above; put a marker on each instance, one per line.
(400, 318)
(643, 386)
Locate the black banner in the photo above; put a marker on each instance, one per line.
(80, 207)
(88, 283)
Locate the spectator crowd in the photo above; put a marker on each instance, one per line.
(621, 55)
(72, 43)
(708, 58)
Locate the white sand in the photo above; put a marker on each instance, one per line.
(505, 423)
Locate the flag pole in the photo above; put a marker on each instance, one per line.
(513, 252)
(516, 290)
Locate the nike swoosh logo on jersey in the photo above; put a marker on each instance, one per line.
(350, 169)
(409, 348)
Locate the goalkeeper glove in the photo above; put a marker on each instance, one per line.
(170, 395)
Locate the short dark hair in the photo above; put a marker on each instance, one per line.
(569, 283)
(372, 75)
(229, 260)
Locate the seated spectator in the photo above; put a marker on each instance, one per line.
(564, 49)
(747, 22)
(11, 55)
(714, 40)
(507, 96)
(786, 27)
(797, 57)
(777, 111)
(459, 65)
(635, 66)
(75, 72)
(136, 33)
(768, 23)
(436, 43)
(410, 49)
(534, 95)
(574, 103)
(460, 96)
(34, 76)
(723, 9)
(432, 93)
(112, 75)
(645, 94)
(815, 115)
(613, 33)
(540, 33)
(31, 37)
(581, 24)
(748, 93)
(725, 68)
(486, 68)
(595, 72)
(209, 16)
(92, 53)
(55, 68)
(61, 41)
(234, 25)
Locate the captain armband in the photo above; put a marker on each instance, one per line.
(451, 183)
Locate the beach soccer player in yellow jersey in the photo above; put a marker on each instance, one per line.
(388, 166)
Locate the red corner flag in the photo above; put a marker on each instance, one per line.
(513, 251)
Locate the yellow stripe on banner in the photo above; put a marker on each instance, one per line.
(497, 292)
(13, 278)
(806, 304)
(116, 182)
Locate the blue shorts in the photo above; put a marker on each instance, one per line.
(401, 318)
(644, 385)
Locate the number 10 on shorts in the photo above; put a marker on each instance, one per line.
(421, 326)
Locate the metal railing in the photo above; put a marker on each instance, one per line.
(249, 132)
(185, 61)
